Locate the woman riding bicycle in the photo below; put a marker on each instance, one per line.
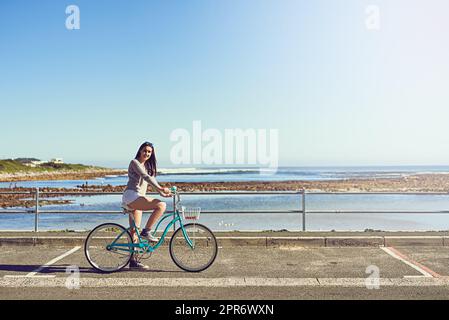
(141, 172)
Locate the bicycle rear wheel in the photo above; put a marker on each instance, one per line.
(108, 247)
(200, 255)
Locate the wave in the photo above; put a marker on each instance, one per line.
(433, 172)
(337, 173)
(203, 171)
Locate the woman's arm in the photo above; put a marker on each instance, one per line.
(142, 173)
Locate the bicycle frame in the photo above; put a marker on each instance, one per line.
(146, 246)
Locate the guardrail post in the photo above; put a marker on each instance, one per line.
(303, 210)
(36, 212)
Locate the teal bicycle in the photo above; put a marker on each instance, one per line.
(193, 247)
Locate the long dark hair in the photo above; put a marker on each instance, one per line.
(150, 164)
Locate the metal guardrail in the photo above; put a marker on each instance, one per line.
(301, 193)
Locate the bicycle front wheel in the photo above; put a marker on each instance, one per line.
(196, 251)
(108, 247)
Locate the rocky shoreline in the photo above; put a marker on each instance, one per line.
(414, 183)
(59, 175)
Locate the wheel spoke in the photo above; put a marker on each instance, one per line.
(204, 250)
(100, 250)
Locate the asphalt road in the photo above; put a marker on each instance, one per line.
(43, 272)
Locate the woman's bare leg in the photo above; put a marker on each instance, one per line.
(137, 214)
(145, 204)
(157, 213)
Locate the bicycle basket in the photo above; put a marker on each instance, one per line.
(190, 213)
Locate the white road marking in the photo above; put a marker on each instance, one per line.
(48, 264)
(27, 276)
(417, 268)
(219, 282)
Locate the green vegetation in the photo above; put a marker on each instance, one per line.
(26, 160)
(17, 165)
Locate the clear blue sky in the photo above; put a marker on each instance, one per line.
(338, 93)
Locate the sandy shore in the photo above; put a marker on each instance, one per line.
(415, 183)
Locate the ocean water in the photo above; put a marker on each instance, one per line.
(247, 174)
(257, 221)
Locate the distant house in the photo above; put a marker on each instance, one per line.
(34, 164)
(57, 161)
(30, 162)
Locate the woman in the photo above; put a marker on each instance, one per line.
(141, 172)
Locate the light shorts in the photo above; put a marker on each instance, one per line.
(130, 196)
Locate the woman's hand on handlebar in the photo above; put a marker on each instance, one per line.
(165, 192)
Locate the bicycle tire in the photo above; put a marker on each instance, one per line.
(98, 252)
(205, 245)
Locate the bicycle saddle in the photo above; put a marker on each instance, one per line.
(126, 209)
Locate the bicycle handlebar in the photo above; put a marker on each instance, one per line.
(173, 189)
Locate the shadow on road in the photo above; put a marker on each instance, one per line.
(63, 268)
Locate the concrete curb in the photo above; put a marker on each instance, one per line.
(260, 241)
(355, 241)
(296, 241)
(392, 241)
